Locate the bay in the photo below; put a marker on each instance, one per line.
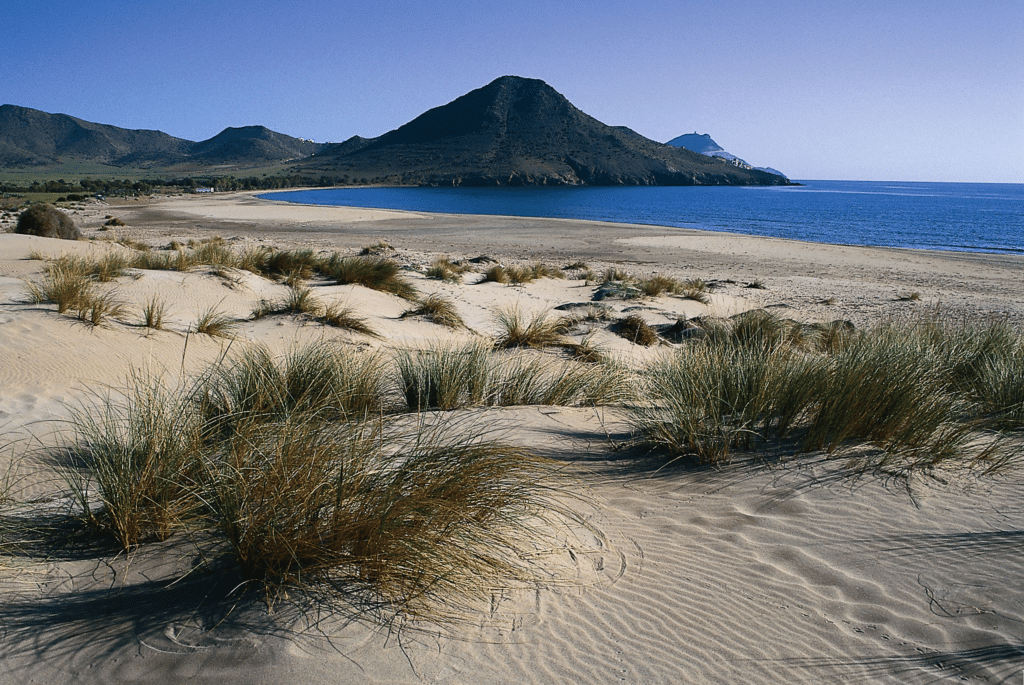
(969, 217)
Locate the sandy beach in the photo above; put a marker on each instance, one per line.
(788, 572)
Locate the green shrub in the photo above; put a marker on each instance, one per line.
(48, 222)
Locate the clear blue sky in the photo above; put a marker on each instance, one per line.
(889, 90)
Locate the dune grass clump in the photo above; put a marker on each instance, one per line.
(439, 309)
(899, 394)
(275, 461)
(95, 309)
(64, 286)
(495, 274)
(451, 376)
(371, 272)
(300, 264)
(102, 269)
(524, 378)
(585, 350)
(422, 520)
(299, 300)
(377, 248)
(634, 329)
(256, 386)
(215, 324)
(446, 376)
(707, 400)
(302, 301)
(538, 331)
(153, 313)
(520, 275)
(139, 457)
(346, 318)
(443, 269)
(656, 285)
(542, 270)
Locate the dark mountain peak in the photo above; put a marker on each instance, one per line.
(248, 144)
(518, 131)
(34, 137)
(697, 142)
(245, 133)
(486, 109)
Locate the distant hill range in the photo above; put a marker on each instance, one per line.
(513, 131)
(518, 131)
(30, 138)
(702, 143)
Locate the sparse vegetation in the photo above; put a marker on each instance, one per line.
(377, 248)
(95, 309)
(423, 517)
(443, 269)
(656, 285)
(449, 376)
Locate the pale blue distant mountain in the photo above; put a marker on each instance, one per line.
(702, 143)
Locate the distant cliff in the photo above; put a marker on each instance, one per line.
(702, 143)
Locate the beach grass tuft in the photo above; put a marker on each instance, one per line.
(153, 313)
(215, 324)
(346, 318)
(439, 309)
(371, 272)
(634, 329)
(901, 394)
(538, 331)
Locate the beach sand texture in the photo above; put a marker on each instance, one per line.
(742, 574)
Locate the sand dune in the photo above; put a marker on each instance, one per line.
(749, 573)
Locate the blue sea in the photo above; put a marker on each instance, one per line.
(969, 217)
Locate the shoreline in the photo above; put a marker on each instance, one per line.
(955, 248)
(867, 279)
